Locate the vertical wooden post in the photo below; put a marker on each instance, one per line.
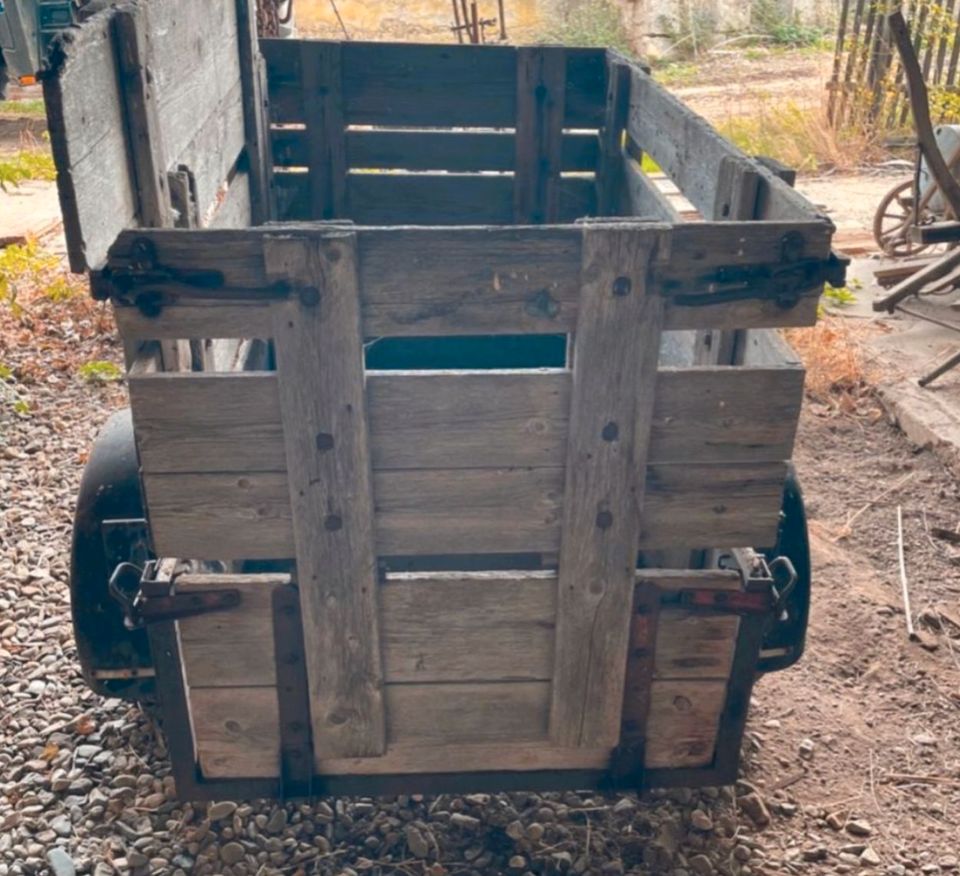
(322, 92)
(319, 350)
(614, 372)
(253, 78)
(738, 191)
(541, 87)
(610, 174)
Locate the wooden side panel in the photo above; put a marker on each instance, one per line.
(690, 152)
(695, 644)
(615, 367)
(217, 422)
(413, 85)
(322, 98)
(320, 382)
(87, 126)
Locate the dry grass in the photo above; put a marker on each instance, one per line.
(800, 137)
(840, 374)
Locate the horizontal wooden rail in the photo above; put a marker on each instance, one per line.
(412, 149)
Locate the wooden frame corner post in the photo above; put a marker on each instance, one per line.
(616, 348)
(319, 350)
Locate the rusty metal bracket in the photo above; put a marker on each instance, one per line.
(293, 698)
(140, 609)
(768, 588)
(123, 282)
(785, 283)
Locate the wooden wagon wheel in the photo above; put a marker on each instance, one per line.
(891, 222)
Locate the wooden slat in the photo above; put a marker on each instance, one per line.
(419, 150)
(320, 381)
(455, 511)
(690, 152)
(407, 84)
(322, 98)
(539, 124)
(231, 422)
(694, 644)
(253, 78)
(641, 195)
(429, 199)
(435, 627)
(683, 723)
(610, 173)
(615, 367)
(477, 280)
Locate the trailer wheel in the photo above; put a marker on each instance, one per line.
(786, 636)
(112, 657)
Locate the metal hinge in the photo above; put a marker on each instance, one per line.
(140, 609)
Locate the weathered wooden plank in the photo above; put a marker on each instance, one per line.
(253, 78)
(641, 197)
(407, 84)
(454, 511)
(412, 149)
(614, 374)
(610, 172)
(690, 152)
(320, 382)
(683, 723)
(429, 199)
(136, 57)
(326, 139)
(434, 627)
(196, 71)
(539, 134)
(477, 281)
(231, 422)
(85, 117)
(694, 644)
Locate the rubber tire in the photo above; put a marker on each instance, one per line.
(793, 542)
(109, 489)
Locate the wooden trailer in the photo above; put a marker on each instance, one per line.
(460, 455)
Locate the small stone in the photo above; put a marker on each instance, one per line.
(741, 853)
(37, 686)
(859, 827)
(467, 822)
(614, 867)
(815, 853)
(949, 862)
(700, 820)
(535, 832)
(517, 862)
(701, 865)
(62, 825)
(416, 841)
(835, 820)
(806, 749)
(221, 810)
(788, 809)
(772, 724)
(624, 804)
(924, 739)
(869, 858)
(137, 859)
(847, 858)
(124, 780)
(277, 822)
(515, 830)
(61, 863)
(755, 809)
(154, 801)
(232, 853)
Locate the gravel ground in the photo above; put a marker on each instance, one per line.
(85, 785)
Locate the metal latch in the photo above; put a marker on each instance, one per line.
(782, 579)
(139, 609)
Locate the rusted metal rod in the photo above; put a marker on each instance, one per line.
(456, 18)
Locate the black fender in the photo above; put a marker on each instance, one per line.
(787, 633)
(109, 490)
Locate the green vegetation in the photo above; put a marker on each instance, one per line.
(586, 23)
(842, 296)
(26, 164)
(782, 27)
(26, 267)
(22, 108)
(10, 397)
(100, 371)
(677, 73)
